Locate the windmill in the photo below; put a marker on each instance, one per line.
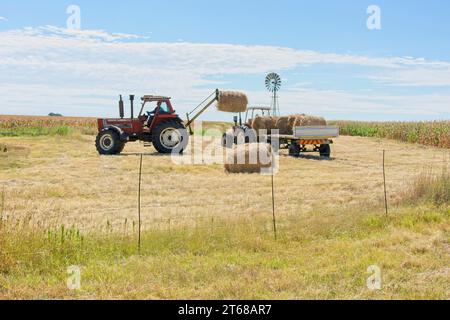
(273, 84)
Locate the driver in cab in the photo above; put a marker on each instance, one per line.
(161, 108)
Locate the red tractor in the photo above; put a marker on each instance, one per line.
(158, 125)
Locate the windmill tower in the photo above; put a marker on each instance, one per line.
(273, 84)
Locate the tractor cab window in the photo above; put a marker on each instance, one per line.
(163, 107)
(155, 106)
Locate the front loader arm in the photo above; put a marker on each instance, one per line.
(209, 101)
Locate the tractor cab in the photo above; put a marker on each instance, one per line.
(154, 109)
(261, 111)
(244, 128)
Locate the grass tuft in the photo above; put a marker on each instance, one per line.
(429, 187)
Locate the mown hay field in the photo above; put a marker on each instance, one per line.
(209, 234)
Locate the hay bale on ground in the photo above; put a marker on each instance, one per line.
(232, 101)
(249, 158)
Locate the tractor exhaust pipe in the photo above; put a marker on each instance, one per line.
(121, 113)
(131, 105)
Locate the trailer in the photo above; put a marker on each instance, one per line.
(309, 139)
(304, 138)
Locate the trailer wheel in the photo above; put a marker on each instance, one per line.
(294, 150)
(325, 150)
(108, 143)
(170, 135)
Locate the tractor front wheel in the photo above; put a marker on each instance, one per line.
(169, 136)
(108, 143)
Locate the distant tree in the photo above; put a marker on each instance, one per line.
(51, 114)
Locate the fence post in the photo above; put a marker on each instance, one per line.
(139, 206)
(273, 210)
(3, 205)
(384, 183)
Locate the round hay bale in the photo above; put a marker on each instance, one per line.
(267, 123)
(283, 125)
(298, 121)
(273, 122)
(293, 119)
(232, 101)
(258, 123)
(312, 121)
(305, 120)
(249, 158)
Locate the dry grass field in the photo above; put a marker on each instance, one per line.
(209, 234)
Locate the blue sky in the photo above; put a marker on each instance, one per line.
(330, 62)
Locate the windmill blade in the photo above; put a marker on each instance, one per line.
(273, 82)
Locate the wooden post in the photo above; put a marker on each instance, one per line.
(273, 210)
(384, 183)
(139, 206)
(3, 206)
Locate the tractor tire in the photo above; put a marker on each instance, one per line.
(227, 141)
(325, 150)
(108, 143)
(168, 135)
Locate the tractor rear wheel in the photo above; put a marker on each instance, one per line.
(325, 150)
(108, 143)
(170, 135)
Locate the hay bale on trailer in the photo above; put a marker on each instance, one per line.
(294, 118)
(267, 123)
(249, 158)
(306, 120)
(284, 125)
(232, 101)
(257, 123)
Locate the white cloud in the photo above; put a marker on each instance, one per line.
(83, 71)
(417, 77)
(3, 19)
(334, 104)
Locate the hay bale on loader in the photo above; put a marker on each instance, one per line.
(232, 101)
(249, 158)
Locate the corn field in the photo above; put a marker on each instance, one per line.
(38, 126)
(432, 133)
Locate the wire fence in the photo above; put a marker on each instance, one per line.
(146, 199)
